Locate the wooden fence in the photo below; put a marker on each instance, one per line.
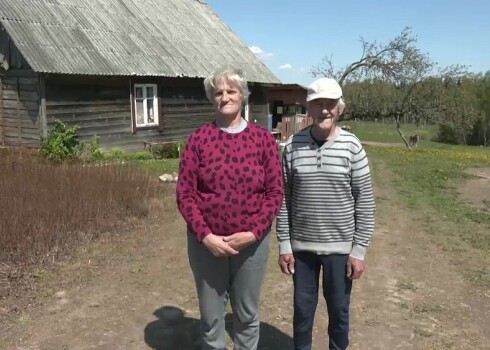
(291, 125)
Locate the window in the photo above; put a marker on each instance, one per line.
(145, 105)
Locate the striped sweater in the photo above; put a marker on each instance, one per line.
(328, 205)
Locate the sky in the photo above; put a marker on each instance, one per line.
(292, 36)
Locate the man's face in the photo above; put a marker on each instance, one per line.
(324, 111)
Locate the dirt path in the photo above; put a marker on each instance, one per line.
(136, 292)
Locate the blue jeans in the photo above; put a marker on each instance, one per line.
(336, 290)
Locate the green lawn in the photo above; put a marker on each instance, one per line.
(427, 181)
(387, 133)
(159, 166)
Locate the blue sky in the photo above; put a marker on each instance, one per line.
(291, 36)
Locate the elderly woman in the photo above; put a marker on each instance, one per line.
(229, 192)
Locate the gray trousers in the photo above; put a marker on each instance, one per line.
(237, 278)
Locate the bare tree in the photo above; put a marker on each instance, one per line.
(399, 62)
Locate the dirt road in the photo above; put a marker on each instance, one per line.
(136, 292)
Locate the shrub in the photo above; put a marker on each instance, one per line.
(447, 134)
(115, 153)
(62, 143)
(168, 150)
(95, 150)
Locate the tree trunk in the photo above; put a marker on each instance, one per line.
(401, 134)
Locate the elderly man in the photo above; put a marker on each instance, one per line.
(327, 216)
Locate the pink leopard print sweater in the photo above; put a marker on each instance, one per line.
(228, 182)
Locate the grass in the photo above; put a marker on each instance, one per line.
(45, 208)
(160, 166)
(386, 132)
(427, 182)
(407, 286)
(144, 161)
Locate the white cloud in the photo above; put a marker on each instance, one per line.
(256, 50)
(285, 66)
(261, 53)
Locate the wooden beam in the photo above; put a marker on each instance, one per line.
(43, 118)
(131, 102)
(18, 111)
(2, 129)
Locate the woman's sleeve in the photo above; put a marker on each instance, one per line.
(273, 188)
(187, 190)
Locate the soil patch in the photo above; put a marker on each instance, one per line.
(476, 191)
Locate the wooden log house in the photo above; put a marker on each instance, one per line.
(127, 71)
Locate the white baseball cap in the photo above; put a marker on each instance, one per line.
(324, 88)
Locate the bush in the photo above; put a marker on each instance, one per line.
(94, 148)
(168, 150)
(448, 134)
(62, 143)
(115, 153)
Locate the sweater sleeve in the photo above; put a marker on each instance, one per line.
(187, 190)
(364, 207)
(273, 188)
(283, 223)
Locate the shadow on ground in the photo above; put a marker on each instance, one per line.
(173, 331)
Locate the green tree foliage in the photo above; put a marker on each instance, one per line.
(396, 80)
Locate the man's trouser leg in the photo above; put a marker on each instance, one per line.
(336, 290)
(307, 270)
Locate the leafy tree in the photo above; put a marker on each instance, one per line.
(401, 80)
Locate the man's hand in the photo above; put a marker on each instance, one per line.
(355, 268)
(286, 263)
(240, 240)
(217, 246)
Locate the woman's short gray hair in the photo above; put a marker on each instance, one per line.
(233, 76)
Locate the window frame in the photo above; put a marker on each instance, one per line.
(144, 99)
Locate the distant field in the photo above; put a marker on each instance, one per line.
(386, 132)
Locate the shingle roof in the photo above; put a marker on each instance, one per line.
(172, 38)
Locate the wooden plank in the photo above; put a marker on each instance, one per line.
(13, 133)
(12, 113)
(2, 130)
(23, 87)
(103, 117)
(84, 110)
(11, 122)
(53, 103)
(89, 132)
(13, 73)
(20, 105)
(185, 101)
(189, 109)
(97, 125)
(20, 79)
(18, 109)
(9, 141)
(43, 118)
(30, 96)
(28, 116)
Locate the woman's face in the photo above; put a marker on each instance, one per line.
(227, 99)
